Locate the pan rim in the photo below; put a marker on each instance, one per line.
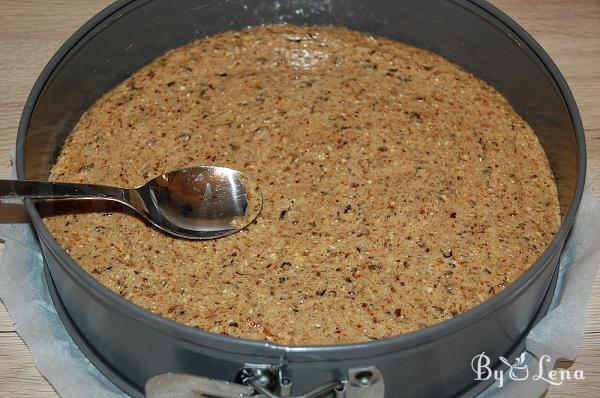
(230, 344)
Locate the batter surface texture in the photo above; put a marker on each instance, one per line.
(399, 189)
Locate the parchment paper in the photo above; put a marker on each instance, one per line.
(24, 292)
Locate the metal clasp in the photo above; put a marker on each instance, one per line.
(265, 381)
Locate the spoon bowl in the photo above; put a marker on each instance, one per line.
(203, 202)
(200, 202)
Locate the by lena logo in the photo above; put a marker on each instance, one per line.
(519, 371)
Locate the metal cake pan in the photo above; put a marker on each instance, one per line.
(131, 344)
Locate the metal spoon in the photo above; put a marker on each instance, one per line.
(203, 202)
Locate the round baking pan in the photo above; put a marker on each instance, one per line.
(131, 344)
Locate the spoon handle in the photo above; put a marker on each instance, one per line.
(60, 190)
